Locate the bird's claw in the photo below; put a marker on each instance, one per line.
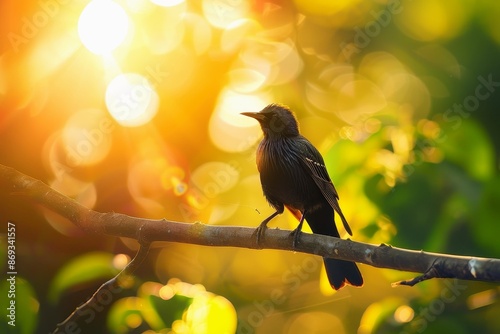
(295, 234)
(259, 232)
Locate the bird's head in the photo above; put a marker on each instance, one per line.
(276, 121)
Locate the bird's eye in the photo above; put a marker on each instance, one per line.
(276, 125)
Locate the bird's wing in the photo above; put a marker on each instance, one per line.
(314, 162)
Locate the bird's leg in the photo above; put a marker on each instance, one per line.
(263, 226)
(298, 229)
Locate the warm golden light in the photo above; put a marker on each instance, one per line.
(246, 80)
(315, 322)
(103, 26)
(221, 13)
(231, 131)
(167, 3)
(134, 106)
(214, 178)
(324, 7)
(145, 183)
(482, 299)
(166, 292)
(86, 137)
(131, 99)
(172, 178)
(448, 19)
(120, 261)
(404, 314)
(237, 34)
(205, 313)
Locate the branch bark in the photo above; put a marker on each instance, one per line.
(432, 265)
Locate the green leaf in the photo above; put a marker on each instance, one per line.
(171, 309)
(378, 316)
(125, 314)
(412, 206)
(454, 209)
(86, 268)
(469, 147)
(157, 313)
(347, 157)
(485, 224)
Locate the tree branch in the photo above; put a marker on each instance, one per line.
(433, 265)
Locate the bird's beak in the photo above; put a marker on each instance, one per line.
(257, 115)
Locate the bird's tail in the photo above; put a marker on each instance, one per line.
(342, 272)
(339, 272)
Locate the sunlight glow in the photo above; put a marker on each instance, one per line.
(448, 19)
(231, 131)
(167, 3)
(324, 7)
(145, 184)
(131, 99)
(222, 13)
(404, 314)
(482, 299)
(83, 192)
(214, 178)
(315, 322)
(103, 26)
(237, 33)
(120, 261)
(172, 178)
(86, 137)
(166, 27)
(205, 313)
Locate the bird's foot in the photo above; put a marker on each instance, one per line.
(259, 232)
(295, 234)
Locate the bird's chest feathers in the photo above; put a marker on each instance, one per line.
(283, 177)
(275, 158)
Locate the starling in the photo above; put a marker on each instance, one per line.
(293, 175)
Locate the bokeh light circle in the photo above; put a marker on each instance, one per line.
(86, 137)
(103, 26)
(448, 19)
(222, 13)
(131, 99)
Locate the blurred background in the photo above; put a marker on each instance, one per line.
(133, 106)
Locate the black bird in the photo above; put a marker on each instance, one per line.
(293, 175)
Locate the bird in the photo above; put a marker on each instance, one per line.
(293, 175)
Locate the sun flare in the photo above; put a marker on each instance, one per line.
(103, 26)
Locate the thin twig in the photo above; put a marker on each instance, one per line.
(433, 272)
(111, 285)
